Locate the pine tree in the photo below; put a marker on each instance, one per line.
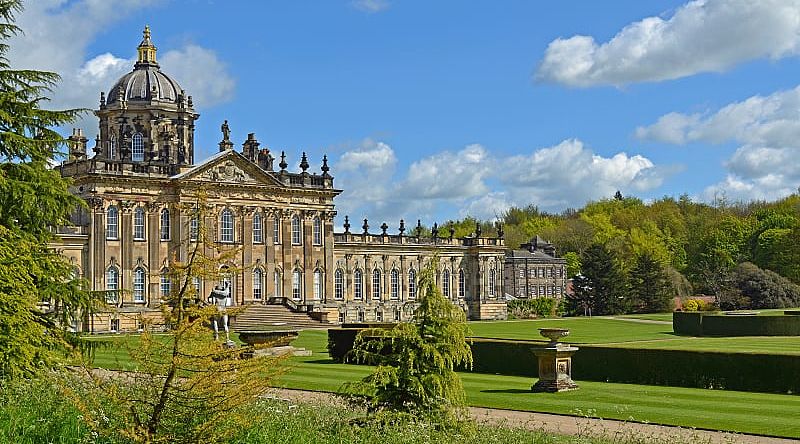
(602, 285)
(416, 361)
(33, 199)
(651, 289)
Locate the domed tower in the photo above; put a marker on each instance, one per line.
(147, 120)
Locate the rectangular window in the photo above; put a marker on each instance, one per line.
(138, 224)
(317, 231)
(379, 316)
(112, 222)
(258, 233)
(257, 283)
(165, 286)
(296, 231)
(114, 325)
(276, 230)
(194, 229)
(296, 285)
(338, 285)
(341, 317)
(317, 285)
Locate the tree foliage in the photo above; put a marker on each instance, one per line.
(33, 199)
(765, 288)
(416, 362)
(651, 289)
(602, 286)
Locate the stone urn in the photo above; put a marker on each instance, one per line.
(555, 362)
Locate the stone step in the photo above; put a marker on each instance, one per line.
(257, 317)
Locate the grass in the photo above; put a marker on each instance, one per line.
(582, 330)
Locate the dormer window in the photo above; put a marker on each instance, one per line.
(137, 148)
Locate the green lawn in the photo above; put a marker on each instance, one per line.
(666, 317)
(582, 330)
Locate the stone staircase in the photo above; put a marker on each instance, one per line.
(273, 317)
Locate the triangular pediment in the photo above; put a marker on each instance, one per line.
(228, 167)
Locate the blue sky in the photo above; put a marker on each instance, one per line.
(439, 110)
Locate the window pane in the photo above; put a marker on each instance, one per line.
(376, 284)
(296, 285)
(138, 285)
(258, 236)
(137, 149)
(317, 228)
(296, 230)
(165, 224)
(112, 222)
(338, 285)
(258, 279)
(226, 225)
(276, 230)
(138, 223)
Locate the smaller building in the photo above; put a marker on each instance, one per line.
(534, 271)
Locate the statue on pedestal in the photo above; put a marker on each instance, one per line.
(221, 297)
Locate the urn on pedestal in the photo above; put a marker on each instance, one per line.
(555, 363)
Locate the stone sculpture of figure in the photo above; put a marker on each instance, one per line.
(226, 131)
(221, 297)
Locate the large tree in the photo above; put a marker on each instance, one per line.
(651, 289)
(602, 285)
(33, 199)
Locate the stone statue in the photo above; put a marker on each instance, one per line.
(221, 297)
(226, 131)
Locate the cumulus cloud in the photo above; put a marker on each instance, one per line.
(371, 6)
(47, 44)
(768, 131)
(701, 36)
(479, 184)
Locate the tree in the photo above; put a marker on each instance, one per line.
(33, 199)
(651, 289)
(765, 288)
(416, 361)
(602, 285)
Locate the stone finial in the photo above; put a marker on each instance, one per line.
(402, 227)
(419, 228)
(435, 230)
(325, 167)
(478, 230)
(283, 163)
(346, 225)
(384, 227)
(452, 232)
(102, 98)
(500, 232)
(304, 162)
(365, 226)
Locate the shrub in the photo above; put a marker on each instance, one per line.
(697, 305)
(532, 308)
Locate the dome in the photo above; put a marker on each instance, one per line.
(146, 82)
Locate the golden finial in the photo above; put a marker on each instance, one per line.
(147, 51)
(147, 32)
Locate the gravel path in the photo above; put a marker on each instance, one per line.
(569, 425)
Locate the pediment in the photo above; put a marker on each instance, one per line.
(228, 167)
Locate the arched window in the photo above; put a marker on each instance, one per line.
(317, 284)
(338, 284)
(258, 283)
(165, 225)
(277, 283)
(138, 223)
(137, 148)
(317, 231)
(166, 284)
(226, 226)
(258, 229)
(462, 284)
(376, 284)
(296, 230)
(446, 283)
(112, 285)
(492, 279)
(358, 285)
(112, 222)
(112, 146)
(297, 285)
(276, 230)
(395, 283)
(138, 285)
(412, 284)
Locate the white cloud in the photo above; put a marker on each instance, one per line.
(371, 6)
(766, 127)
(448, 175)
(701, 36)
(48, 44)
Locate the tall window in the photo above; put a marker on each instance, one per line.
(196, 282)
(376, 284)
(446, 283)
(165, 224)
(226, 226)
(277, 283)
(276, 230)
(258, 229)
(492, 278)
(338, 284)
(194, 228)
(295, 230)
(297, 285)
(317, 284)
(317, 231)
(137, 148)
(462, 284)
(138, 223)
(358, 285)
(138, 285)
(112, 285)
(412, 284)
(395, 283)
(166, 284)
(112, 222)
(112, 146)
(258, 283)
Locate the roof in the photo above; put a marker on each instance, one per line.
(146, 82)
(537, 255)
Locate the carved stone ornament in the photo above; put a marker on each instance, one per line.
(95, 202)
(227, 172)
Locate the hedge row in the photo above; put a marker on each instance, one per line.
(716, 324)
(679, 368)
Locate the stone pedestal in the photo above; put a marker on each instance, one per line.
(555, 363)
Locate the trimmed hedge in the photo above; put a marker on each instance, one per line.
(706, 324)
(753, 372)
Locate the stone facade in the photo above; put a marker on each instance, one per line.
(534, 271)
(142, 189)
